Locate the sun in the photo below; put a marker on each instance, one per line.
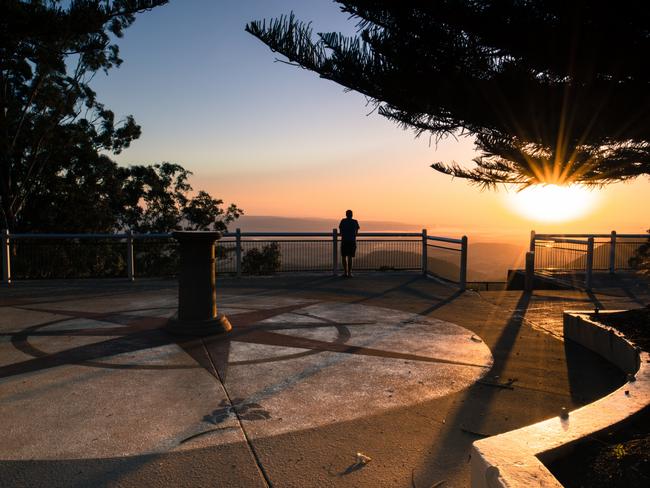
(553, 203)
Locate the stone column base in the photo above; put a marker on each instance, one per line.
(198, 328)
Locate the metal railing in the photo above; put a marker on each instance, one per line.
(585, 252)
(41, 256)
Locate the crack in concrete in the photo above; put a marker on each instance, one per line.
(249, 443)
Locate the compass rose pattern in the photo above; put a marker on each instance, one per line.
(115, 383)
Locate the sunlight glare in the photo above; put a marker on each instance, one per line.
(552, 203)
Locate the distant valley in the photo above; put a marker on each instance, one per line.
(487, 261)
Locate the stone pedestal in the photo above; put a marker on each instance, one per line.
(197, 293)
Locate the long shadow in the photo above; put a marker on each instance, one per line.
(339, 287)
(442, 303)
(403, 287)
(479, 396)
(623, 285)
(21, 294)
(594, 299)
(468, 422)
(157, 469)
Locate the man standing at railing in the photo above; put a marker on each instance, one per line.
(348, 229)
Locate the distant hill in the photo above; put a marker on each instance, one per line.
(490, 261)
(601, 257)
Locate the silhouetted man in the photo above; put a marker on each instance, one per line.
(349, 229)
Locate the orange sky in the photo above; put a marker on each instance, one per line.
(389, 178)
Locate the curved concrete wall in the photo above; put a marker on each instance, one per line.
(512, 459)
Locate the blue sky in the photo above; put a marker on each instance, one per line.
(192, 76)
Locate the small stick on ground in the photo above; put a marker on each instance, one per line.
(480, 434)
(194, 436)
(507, 386)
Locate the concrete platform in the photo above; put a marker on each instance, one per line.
(401, 368)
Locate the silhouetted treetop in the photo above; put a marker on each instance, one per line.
(49, 52)
(552, 91)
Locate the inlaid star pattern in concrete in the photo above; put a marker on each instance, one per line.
(285, 366)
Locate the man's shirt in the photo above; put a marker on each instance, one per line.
(348, 229)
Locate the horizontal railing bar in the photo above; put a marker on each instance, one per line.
(327, 241)
(565, 241)
(443, 247)
(388, 240)
(68, 236)
(160, 235)
(230, 235)
(444, 239)
(322, 234)
(288, 241)
(389, 234)
(279, 234)
(539, 237)
(89, 236)
(552, 236)
(624, 236)
(557, 248)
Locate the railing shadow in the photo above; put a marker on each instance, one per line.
(478, 398)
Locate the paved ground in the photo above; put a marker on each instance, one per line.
(401, 368)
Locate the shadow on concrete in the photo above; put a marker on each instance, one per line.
(33, 292)
(580, 363)
(459, 433)
(442, 303)
(199, 467)
(359, 289)
(594, 299)
(625, 286)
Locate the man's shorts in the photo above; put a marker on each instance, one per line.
(348, 248)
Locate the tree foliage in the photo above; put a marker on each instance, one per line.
(552, 91)
(640, 260)
(260, 262)
(56, 137)
(97, 195)
(50, 118)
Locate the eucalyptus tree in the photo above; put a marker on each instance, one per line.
(94, 194)
(552, 91)
(49, 115)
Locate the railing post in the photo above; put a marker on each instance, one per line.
(335, 252)
(463, 264)
(424, 252)
(130, 264)
(529, 277)
(612, 253)
(238, 252)
(589, 267)
(6, 257)
(532, 241)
